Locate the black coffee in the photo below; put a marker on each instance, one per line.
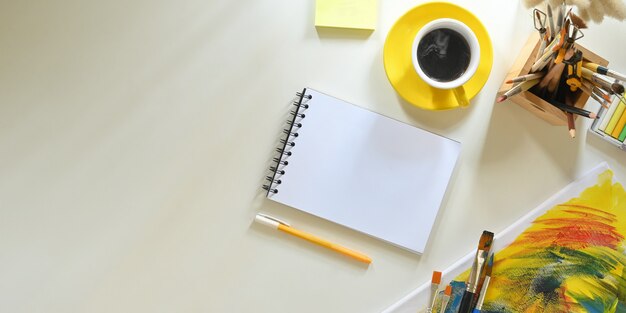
(443, 54)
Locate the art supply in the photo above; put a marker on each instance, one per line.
(445, 299)
(526, 77)
(592, 94)
(604, 71)
(571, 125)
(484, 246)
(540, 26)
(551, 21)
(561, 68)
(282, 226)
(603, 82)
(334, 157)
(614, 118)
(523, 86)
(483, 291)
(601, 123)
(619, 126)
(434, 290)
(573, 109)
(546, 243)
(356, 14)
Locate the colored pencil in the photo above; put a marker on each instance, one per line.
(573, 109)
(484, 246)
(570, 124)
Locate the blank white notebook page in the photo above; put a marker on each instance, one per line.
(366, 171)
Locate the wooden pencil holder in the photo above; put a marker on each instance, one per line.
(533, 103)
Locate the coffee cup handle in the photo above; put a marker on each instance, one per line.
(461, 97)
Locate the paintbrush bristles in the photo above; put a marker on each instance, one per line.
(576, 20)
(436, 277)
(489, 265)
(486, 240)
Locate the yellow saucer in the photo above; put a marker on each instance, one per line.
(399, 67)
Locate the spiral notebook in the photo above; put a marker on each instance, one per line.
(361, 169)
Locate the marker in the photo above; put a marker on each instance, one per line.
(282, 226)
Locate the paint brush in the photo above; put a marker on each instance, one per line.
(483, 291)
(524, 78)
(484, 246)
(551, 21)
(604, 71)
(434, 287)
(589, 92)
(523, 86)
(602, 94)
(559, 18)
(445, 299)
(548, 53)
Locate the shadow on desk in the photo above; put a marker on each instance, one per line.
(514, 131)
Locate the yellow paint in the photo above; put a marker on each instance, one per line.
(615, 117)
(358, 14)
(619, 126)
(516, 266)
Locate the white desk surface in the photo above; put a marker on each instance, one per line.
(134, 136)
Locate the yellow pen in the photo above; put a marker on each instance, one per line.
(282, 226)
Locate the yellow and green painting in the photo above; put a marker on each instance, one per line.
(570, 259)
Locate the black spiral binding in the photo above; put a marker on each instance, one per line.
(290, 133)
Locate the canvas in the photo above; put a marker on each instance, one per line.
(567, 255)
(571, 259)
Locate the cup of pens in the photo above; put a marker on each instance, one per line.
(554, 76)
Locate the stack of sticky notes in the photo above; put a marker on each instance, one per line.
(357, 14)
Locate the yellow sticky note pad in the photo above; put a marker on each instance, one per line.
(359, 14)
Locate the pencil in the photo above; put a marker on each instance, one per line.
(570, 124)
(573, 109)
(523, 86)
